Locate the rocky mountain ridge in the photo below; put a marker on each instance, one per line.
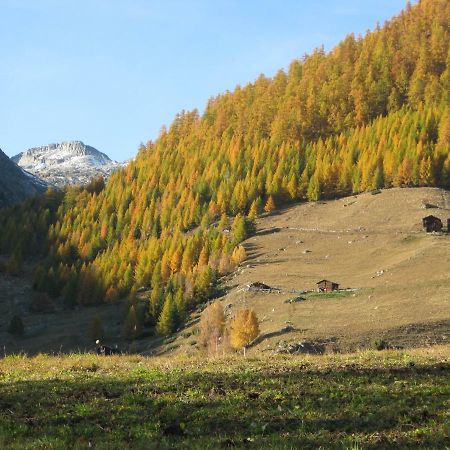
(66, 163)
(17, 184)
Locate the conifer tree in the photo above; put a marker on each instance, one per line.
(224, 264)
(203, 258)
(156, 302)
(180, 305)
(255, 208)
(175, 261)
(314, 189)
(242, 228)
(270, 205)
(224, 222)
(205, 283)
(168, 320)
(239, 255)
(132, 328)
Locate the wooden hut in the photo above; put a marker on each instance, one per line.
(327, 286)
(432, 223)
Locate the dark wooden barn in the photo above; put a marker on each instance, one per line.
(327, 286)
(432, 223)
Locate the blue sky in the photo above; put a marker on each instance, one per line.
(112, 72)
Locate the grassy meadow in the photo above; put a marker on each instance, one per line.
(369, 399)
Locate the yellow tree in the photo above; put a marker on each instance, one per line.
(224, 264)
(270, 205)
(239, 255)
(203, 258)
(253, 212)
(175, 261)
(187, 260)
(425, 172)
(165, 267)
(244, 328)
(104, 230)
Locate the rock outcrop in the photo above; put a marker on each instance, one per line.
(16, 184)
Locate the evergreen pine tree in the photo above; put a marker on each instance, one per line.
(132, 328)
(168, 320)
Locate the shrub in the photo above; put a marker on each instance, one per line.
(381, 345)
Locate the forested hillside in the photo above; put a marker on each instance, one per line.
(371, 113)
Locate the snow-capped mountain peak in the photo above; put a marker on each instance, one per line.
(70, 162)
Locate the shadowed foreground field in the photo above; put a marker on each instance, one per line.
(363, 400)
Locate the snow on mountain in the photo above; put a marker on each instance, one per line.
(70, 162)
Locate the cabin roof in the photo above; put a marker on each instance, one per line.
(321, 281)
(259, 285)
(431, 218)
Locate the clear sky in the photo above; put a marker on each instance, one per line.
(112, 72)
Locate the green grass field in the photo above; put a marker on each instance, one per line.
(364, 400)
(327, 295)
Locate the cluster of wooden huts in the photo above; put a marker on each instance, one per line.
(430, 224)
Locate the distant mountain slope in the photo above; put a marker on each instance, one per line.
(70, 162)
(16, 184)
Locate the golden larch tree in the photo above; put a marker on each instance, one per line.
(175, 261)
(244, 328)
(270, 205)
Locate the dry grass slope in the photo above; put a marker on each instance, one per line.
(372, 243)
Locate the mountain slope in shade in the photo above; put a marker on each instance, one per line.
(70, 162)
(16, 184)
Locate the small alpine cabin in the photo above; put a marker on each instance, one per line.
(327, 286)
(432, 223)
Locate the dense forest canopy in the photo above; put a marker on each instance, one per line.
(371, 113)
